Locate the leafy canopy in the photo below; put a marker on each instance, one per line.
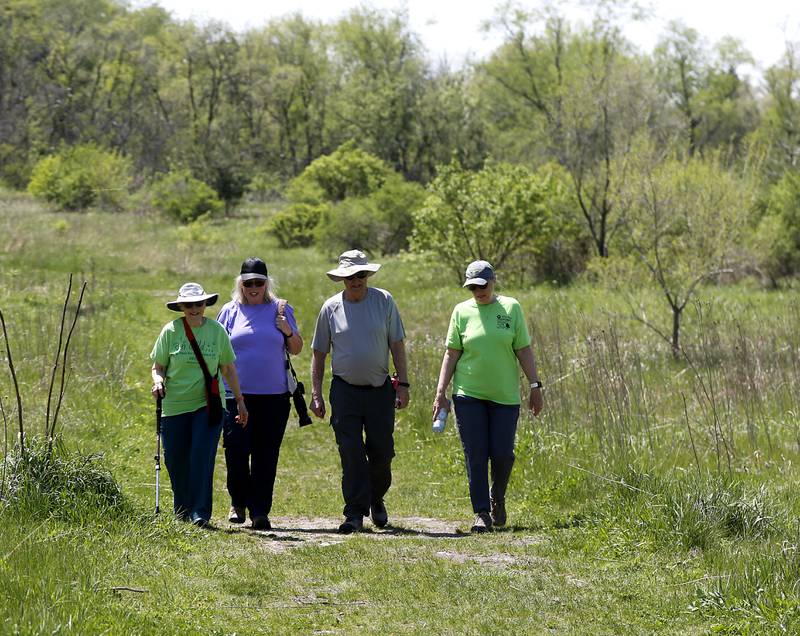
(491, 214)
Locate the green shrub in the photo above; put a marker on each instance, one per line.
(182, 197)
(347, 172)
(494, 214)
(81, 176)
(380, 223)
(776, 242)
(60, 484)
(294, 226)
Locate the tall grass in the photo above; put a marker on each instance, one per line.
(636, 453)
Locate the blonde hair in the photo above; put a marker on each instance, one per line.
(269, 295)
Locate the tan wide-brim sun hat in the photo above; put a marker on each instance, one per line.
(351, 262)
(192, 293)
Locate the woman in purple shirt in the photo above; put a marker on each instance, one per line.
(260, 327)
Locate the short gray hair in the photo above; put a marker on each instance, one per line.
(270, 295)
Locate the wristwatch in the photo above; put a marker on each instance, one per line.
(537, 385)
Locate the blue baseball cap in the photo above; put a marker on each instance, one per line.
(479, 273)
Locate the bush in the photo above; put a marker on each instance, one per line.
(381, 222)
(776, 241)
(347, 172)
(182, 197)
(61, 484)
(495, 214)
(294, 227)
(81, 176)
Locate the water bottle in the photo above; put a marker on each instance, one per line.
(441, 420)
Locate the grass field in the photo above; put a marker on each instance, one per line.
(652, 496)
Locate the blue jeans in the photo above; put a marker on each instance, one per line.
(487, 430)
(190, 448)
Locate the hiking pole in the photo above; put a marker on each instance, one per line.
(158, 446)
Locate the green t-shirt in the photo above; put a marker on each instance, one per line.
(184, 378)
(488, 336)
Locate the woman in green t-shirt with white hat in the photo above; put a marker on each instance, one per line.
(486, 339)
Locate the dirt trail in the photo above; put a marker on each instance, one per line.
(294, 532)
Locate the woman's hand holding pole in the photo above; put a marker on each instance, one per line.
(157, 373)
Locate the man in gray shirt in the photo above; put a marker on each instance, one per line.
(360, 326)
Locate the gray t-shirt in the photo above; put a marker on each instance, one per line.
(359, 335)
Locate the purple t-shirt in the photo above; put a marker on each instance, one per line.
(258, 344)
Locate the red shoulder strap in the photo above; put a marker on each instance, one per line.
(195, 347)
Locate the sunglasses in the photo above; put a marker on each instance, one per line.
(199, 303)
(474, 287)
(254, 282)
(358, 275)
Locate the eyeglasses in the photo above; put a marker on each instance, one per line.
(254, 282)
(357, 275)
(199, 303)
(474, 287)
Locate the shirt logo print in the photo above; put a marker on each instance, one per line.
(503, 322)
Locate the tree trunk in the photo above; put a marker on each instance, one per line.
(676, 332)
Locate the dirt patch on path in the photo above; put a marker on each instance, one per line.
(294, 532)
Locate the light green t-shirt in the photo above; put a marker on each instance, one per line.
(488, 336)
(184, 377)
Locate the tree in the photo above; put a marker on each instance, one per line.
(381, 73)
(492, 214)
(715, 105)
(780, 127)
(578, 98)
(777, 238)
(284, 74)
(685, 222)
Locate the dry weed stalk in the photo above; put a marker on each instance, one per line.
(13, 371)
(60, 358)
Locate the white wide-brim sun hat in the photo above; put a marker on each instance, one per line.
(192, 293)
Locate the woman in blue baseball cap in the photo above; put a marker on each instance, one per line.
(486, 339)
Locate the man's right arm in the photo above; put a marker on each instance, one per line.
(317, 373)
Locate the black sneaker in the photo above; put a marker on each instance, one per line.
(351, 525)
(498, 512)
(261, 522)
(379, 515)
(236, 515)
(483, 523)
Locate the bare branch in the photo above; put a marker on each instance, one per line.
(58, 355)
(16, 387)
(64, 368)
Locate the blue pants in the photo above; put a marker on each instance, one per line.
(362, 418)
(487, 430)
(251, 453)
(190, 448)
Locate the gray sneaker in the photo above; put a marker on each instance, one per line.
(483, 523)
(379, 515)
(351, 525)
